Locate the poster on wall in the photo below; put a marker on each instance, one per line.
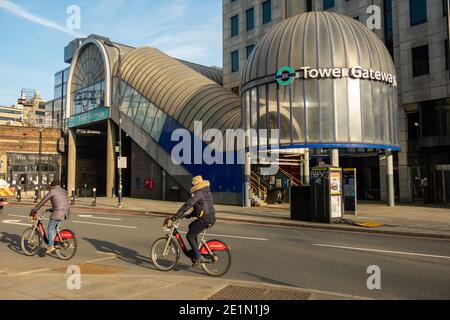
(335, 183)
(336, 207)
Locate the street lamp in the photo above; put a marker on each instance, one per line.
(40, 163)
(119, 62)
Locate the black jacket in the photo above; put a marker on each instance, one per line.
(201, 200)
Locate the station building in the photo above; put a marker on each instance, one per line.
(322, 79)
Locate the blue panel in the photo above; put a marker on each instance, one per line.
(223, 177)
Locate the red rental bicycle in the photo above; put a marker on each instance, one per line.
(65, 240)
(165, 252)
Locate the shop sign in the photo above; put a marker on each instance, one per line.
(93, 115)
(286, 75)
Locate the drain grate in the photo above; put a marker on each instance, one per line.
(93, 268)
(255, 293)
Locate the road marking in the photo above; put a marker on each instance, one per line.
(105, 224)
(90, 216)
(237, 237)
(16, 222)
(32, 271)
(107, 253)
(384, 251)
(19, 216)
(101, 259)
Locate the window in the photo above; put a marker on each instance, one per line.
(235, 90)
(235, 61)
(250, 19)
(356, 18)
(444, 7)
(327, 4)
(250, 49)
(417, 12)
(308, 5)
(420, 60)
(446, 54)
(234, 26)
(267, 11)
(388, 30)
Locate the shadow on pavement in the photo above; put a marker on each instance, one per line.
(269, 280)
(124, 254)
(13, 242)
(132, 256)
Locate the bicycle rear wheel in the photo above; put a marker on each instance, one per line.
(164, 254)
(219, 262)
(66, 249)
(30, 242)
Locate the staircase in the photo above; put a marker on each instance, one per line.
(258, 191)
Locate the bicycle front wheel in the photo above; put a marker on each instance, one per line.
(164, 254)
(30, 242)
(219, 262)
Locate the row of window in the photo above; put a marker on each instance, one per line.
(421, 59)
(250, 18)
(417, 10)
(139, 109)
(235, 57)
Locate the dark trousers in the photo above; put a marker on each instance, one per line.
(195, 228)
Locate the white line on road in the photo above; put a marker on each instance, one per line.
(105, 224)
(25, 217)
(237, 237)
(383, 251)
(16, 222)
(90, 216)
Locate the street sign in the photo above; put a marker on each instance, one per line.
(122, 162)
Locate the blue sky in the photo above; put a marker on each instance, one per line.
(33, 34)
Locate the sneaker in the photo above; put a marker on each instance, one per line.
(50, 250)
(199, 260)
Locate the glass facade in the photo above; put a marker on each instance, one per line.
(359, 112)
(143, 112)
(89, 98)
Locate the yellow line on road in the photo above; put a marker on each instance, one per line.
(32, 271)
(108, 253)
(101, 259)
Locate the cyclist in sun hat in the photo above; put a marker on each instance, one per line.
(202, 202)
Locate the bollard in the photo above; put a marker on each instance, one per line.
(36, 192)
(72, 200)
(19, 194)
(94, 197)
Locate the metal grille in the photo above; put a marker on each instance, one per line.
(255, 293)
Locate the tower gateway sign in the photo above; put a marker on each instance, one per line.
(286, 75)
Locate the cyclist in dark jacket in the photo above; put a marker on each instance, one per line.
(203, 204)
(61, 210)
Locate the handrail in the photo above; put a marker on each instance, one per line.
(294, 180)
(257, 184)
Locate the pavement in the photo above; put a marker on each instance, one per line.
(268, 262)
(403, 219)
